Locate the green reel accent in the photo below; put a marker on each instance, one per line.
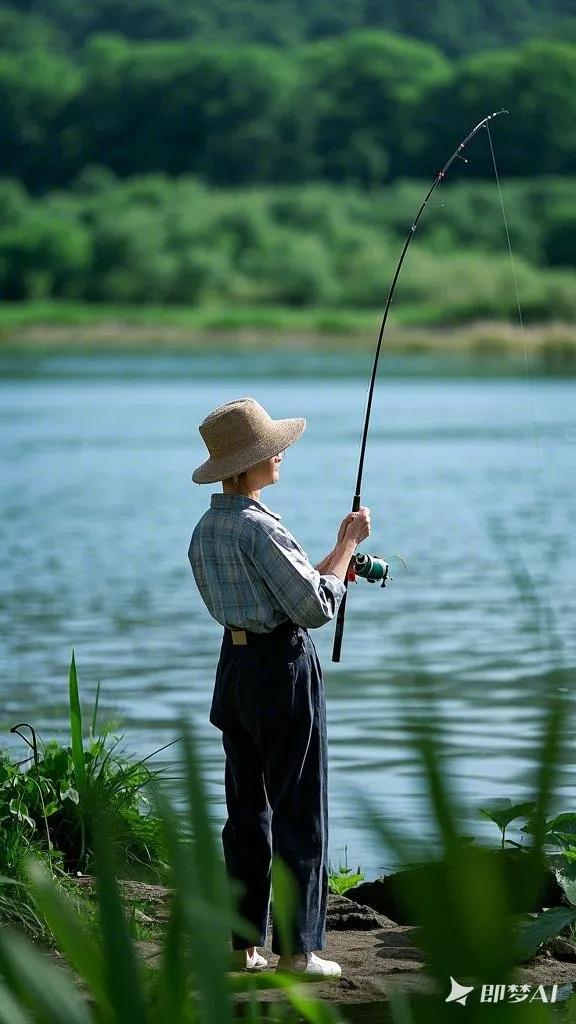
(371, 568)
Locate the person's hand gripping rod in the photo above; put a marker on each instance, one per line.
(354, 528)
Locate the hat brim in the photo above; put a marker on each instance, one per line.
(281, 435)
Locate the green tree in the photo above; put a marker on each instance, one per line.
(35, 88)
(181, 109)
(453, 26)
(20, 32)
(14, 202)
(536, 83)
(42, 257)
(362, 90)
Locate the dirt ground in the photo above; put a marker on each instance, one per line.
(380, 958)
(375, 961)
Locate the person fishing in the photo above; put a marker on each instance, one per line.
(269, 700)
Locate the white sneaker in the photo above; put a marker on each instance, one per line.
(241, 961)
(309, 963)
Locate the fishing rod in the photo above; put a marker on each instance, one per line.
(352, 570)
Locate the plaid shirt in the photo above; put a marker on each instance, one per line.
(252, 573)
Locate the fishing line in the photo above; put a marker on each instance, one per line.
(517, 292)
(357, 495)
(544, 510)
(521, 321)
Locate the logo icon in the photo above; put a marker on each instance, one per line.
(459, 993)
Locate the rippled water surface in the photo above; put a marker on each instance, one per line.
(470, 480)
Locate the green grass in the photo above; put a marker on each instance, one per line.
(413, 330)
(218, 318)
(51, 804)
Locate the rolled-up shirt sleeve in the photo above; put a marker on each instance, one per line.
(308, 597)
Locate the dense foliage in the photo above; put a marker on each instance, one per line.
(52, 802)
(39, 803)
(363, 108)
(155, 240)
(454, 26)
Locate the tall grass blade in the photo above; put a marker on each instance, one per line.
(45, 991)
(76, 730)
(10, 1012)
(208, 865)
(123, 980)
(254, 1015)
(202, 880)
(72, 937)
(313, 1010)
(284, 903)
(400, 1007)
(172, 985)
(95, 711)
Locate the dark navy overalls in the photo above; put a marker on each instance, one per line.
(269, 704)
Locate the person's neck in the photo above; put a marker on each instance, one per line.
(255, 495)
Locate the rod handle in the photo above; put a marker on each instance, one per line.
(340, 626)
(339, 633)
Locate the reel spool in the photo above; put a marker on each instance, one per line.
(370, 568)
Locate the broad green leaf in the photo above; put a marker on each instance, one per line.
(531, 826)
(339, 884)
(76, 728)
(20, 811)
(565, 840)
(564, 823)
(70, 794)
(546, 926)
(504, 811)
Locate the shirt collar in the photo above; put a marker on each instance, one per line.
(238, 501)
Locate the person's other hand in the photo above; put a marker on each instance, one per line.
(355, 526)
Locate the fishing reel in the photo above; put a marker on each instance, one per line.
(370, 567)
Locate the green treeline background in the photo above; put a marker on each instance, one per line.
(260, 153)
(452, 25)
(154, 240)
(364, 109)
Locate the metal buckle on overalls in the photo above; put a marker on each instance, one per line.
(239, 637)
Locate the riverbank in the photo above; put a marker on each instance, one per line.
(77, 327)
(46, 328)
(377, 956)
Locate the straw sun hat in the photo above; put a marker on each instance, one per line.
(238, 435)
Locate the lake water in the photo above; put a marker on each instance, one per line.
(470, 479)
